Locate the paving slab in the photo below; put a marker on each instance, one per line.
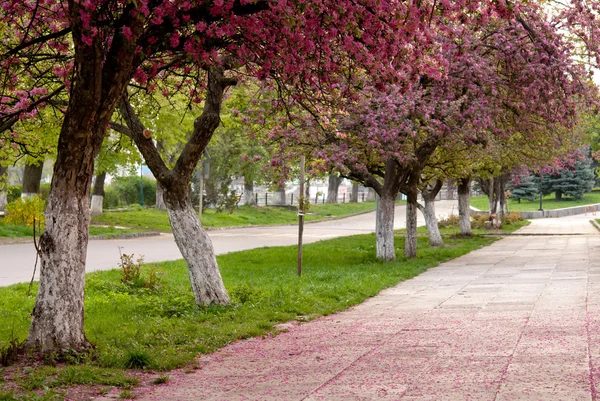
(517, 320)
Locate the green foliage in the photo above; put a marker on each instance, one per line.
(45, 190)
(569, 182)
(219, 196)
(14, 193)
(10, 351)
(24, 212)
(111, 198)
(527, 189)
(137, 359)
(14, 231)
(135, 275)
(125, 191)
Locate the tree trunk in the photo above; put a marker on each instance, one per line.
(249, 198)
(98, 195)
(558, 195)
(385, 228)
(160, 201)
(354, 195)
(371, 194)
(3, 185)
(410, 244)
(32, 176)
(196, 248)
(280, 195)
(491, 197)
(464, 206)
(100, 80)
(333, 188)
(429, 195)
(57, 322)
(500, 196)
(192, 240)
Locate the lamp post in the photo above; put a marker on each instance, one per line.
(141, 185)
(541, 209)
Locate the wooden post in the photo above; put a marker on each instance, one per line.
(300, 216)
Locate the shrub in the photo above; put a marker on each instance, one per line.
(512, 217)
(128, 190)
(137, 359)
(23, 212)
(478, 220)
(111, 198)
(14, 193)
(133, 274)
(45, 190)
(450, 221)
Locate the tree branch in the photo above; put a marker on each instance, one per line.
(135, 130)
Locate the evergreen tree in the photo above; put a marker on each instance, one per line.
(572, 182)
(526, 188)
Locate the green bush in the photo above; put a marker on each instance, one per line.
(45, 191)
(125, 191)
(24, 212)
(111, 198)
(14, 193)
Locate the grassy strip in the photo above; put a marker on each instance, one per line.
(163, 329)
(549, 203)
(243, 216)
(12, 231)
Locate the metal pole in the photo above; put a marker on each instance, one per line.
(541, 208)
(256, 198)
(300, 216)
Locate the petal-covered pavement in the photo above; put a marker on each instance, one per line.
(517, 320)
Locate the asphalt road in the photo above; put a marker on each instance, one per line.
(16, 261)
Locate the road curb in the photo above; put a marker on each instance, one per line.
(333, 218)
(595, 224)
(125, 235)
(16, 241)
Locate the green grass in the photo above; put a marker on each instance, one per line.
(111, 232)
(549, 203)
(163, 329)
(12, 231)
(244, 216)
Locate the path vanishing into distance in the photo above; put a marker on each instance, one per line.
(17, 261)
(516, 320)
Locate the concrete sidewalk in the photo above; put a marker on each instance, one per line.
(518, 320)
(572, 225)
